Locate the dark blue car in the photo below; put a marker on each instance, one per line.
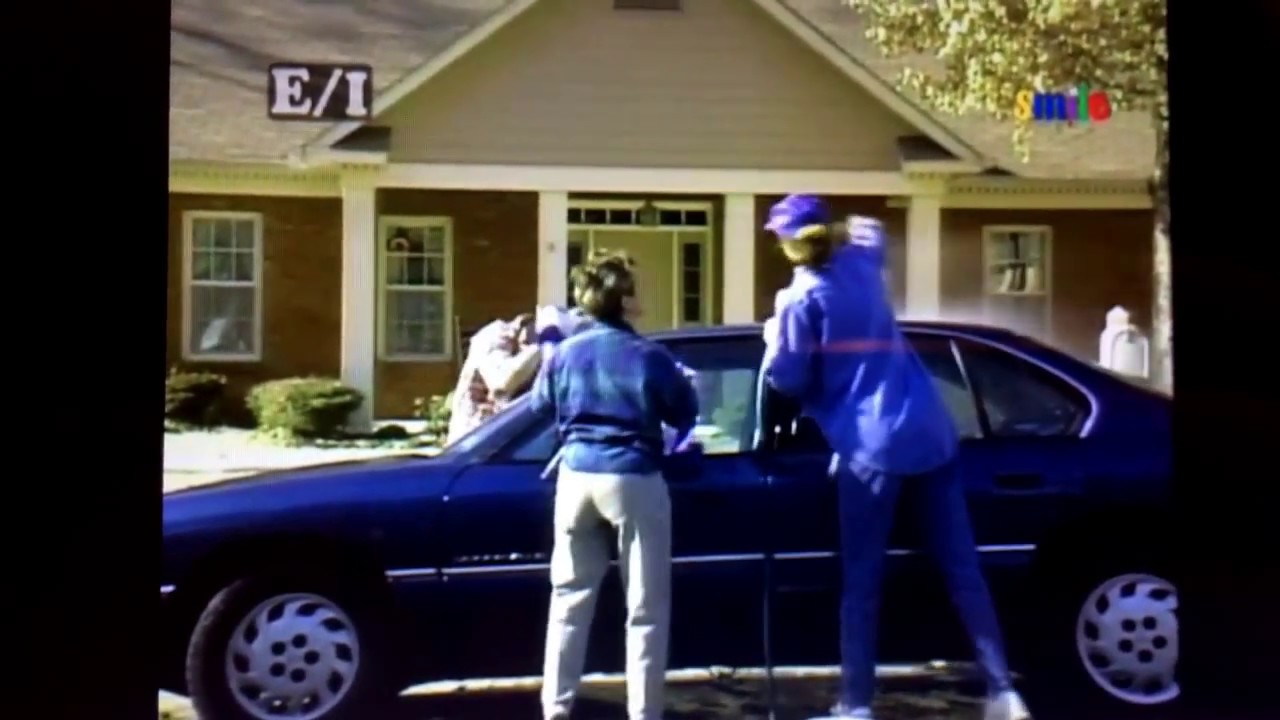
(310, 593)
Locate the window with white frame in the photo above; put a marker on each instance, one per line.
(1017, 260)
(222, 312)
(415, 287)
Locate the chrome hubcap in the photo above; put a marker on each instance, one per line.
(293, 656)
(1127, 637)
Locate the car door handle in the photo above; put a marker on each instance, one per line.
(1022, 482)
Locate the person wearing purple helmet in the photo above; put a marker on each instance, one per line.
(834, 345)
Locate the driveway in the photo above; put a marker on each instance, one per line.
(905, 696)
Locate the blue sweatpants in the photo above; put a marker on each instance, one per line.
(866, 505)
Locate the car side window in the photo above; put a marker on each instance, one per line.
(726, 386)
(725, 383)
(938, 356)
(536, 444)
(1019, 398)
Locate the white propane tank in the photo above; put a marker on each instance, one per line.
(1122, 347)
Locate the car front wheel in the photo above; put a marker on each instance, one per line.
(265, 650)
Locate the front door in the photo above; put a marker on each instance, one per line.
(655, 272)
(671, 245)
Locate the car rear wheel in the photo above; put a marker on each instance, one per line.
(265, 650)
(1114, 641)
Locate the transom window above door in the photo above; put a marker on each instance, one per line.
(415, 295)
(222, 286)
(661, 216)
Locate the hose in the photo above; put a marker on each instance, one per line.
(771, 690)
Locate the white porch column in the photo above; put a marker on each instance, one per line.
(739, 302)
(359, 290)
(924, 254)
(553, 247)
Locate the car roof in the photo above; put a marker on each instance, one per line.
(719, 331)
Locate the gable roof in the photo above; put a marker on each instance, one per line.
(220, 51)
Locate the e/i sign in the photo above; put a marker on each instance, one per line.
(309, 91)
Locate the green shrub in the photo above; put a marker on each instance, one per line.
(308, 407)
(192, 398)
(436, 411)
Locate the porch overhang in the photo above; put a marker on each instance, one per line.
(623, 180)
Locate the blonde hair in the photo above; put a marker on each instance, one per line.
(810, 249)
(601, 283)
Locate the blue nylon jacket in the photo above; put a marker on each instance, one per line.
(610, 391)
(838, 350)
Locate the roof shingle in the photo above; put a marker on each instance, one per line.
(220, 51)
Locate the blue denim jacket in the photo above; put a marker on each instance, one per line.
(839, 351)
(610, 391)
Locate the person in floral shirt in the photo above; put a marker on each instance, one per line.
(500, 366)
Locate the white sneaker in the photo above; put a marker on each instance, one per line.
(840, 712)
(1007, 705)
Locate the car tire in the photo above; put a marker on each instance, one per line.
(314, 645)
(1107, 629)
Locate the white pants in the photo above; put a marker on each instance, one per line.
(639, 509)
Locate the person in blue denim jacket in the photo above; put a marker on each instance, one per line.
(835, 346)
(610, 392)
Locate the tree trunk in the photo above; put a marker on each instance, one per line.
(1162, 270)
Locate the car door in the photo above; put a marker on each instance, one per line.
(500, 536)
(1024, 471)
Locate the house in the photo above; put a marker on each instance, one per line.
(511, 136)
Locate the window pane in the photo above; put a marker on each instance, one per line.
(415, 271)
(415, 322)
(1019, 398)
(202, 234)
(222, 265)
(222, 233)
(574, 251)
(594, 216)
(201, 264)
(670, 217)
(434, 272)
(222, 320)
(406, 270)
(936, 354)
(244, 234)
(1016, 262)
(242, 266)
(406, 240)
(691, 255)
(434, 239)
(692, 309)
(575, 215)
(695, 217)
